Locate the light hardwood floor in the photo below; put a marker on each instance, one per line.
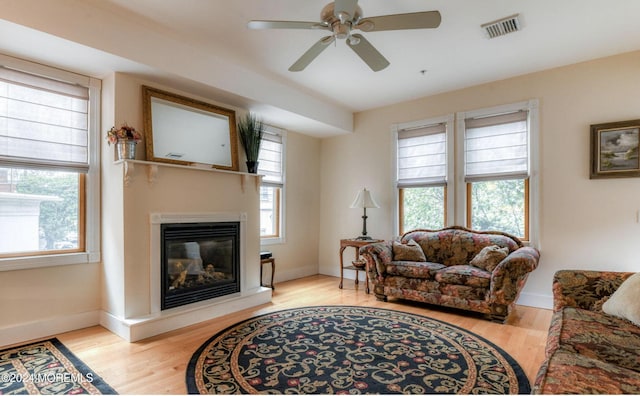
(158, 365)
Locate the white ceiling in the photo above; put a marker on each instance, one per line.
(455, 55)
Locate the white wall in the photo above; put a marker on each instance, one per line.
(584, 223)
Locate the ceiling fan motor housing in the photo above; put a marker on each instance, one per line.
(340, 24)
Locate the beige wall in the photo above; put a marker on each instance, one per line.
(53, 297)
(583, 223)
(39, 302)
(298, 255)
(180, 190)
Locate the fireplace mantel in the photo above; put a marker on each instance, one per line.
(154, 167)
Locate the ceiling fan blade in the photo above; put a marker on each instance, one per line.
(311, 54)
(415, 20)
(286, 25)
(368, 53)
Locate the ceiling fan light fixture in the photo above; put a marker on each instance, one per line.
(354, 40)
(342, 31)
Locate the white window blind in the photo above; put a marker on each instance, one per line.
(270, 163)
(422, 156)
(43, 122)
(497, 147)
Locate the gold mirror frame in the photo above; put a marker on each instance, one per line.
(185, 131)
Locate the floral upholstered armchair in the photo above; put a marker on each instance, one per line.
(454, 267)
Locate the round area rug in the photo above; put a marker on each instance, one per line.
(351, 350)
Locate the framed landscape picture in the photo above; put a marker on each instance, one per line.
(614, 149)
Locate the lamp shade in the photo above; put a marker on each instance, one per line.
(364, 199)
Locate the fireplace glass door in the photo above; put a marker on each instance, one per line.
(200, 261)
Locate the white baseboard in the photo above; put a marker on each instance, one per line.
(47, 327)
(535, 300)
(135, 329)
(290, 274)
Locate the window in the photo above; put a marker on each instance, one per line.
(48, 169)
(498, 167)
(271, 166)
(422, 170)
(486, 179)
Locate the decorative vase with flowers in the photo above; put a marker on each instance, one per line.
(251, 130)
(125, 138)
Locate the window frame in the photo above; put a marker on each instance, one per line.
(89, 185)
(449, 208)
(279, 192)
(463, 206)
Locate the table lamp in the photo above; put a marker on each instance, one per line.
(364, 200)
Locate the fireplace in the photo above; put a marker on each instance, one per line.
(199, 261)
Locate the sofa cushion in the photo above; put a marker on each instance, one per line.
(465, 275)
(570, 373)
(414, 269)
(466, 296)
(430, 291)
(411, 286)
(408, 251)
(625, 302)
(489, 257)
(596, 335)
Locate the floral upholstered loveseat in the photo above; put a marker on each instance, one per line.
(454, 267)
(589, 351)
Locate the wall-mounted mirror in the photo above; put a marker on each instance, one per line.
(186, 131)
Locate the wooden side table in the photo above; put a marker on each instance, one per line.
(273, 269)
(357, 244)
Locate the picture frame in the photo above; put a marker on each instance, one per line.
(615, 149)
(184, 131)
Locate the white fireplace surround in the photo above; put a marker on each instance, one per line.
(159, 321)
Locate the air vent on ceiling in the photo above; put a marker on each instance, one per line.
(503, 26)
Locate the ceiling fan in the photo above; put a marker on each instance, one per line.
(341, 17)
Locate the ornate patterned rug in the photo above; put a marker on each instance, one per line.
(351, 350)
(47, 367)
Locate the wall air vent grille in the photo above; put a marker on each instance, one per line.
(502, 26)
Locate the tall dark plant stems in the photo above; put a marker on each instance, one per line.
(250, 129)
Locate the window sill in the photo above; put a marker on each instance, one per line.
(54, 260)
(271, 241)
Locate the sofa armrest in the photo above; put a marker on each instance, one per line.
(508, 278)
(585, 289)
(378, 256)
